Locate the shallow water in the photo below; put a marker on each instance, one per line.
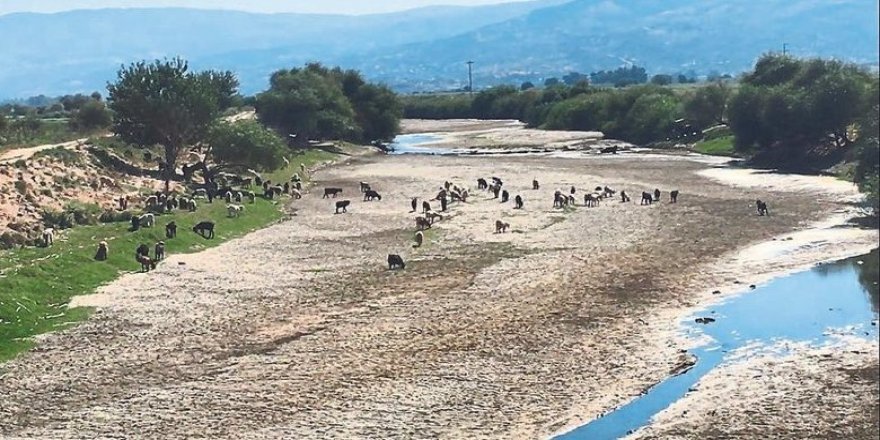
(416, 144)
(811, 306)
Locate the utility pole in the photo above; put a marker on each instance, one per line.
(470, 77)
(784, 49)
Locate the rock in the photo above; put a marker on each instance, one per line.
(704, 320)
(716, 292)
(752, 286)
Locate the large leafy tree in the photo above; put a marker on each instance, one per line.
(242, 145)
(93, 115)
(707, 105)
(164, 103)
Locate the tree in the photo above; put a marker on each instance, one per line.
(707, 105)
(377, 112)
(96, 96)
(550, 82)
(867, 172)
(244, 144)
(573, 78)
(661, 80)
(528, 85)
(164, 103)
(92, 115)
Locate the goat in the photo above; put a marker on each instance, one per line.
(657, 195)
(48, 237)
(647, 199)
(518, 200)
(147, 220)
(591, 200)
(343, 205)
(371, 195)
(103, 250)
(420, 238)
(673, 196)
(171, 230)
(160, 251)
(203, 228)
(364, 186)
(535, 184)
(623, 197)
(762, 207)
(146, 263)
(559, 201)
(395, 261)
(501, 226)
(331, 192)
(505, 196)
(482, 184)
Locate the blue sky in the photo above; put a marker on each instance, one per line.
(322, 6)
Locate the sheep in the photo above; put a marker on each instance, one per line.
(762, 208)
(559, 201)
(535, 184)
(286, 162)
(591, 200)
(295, 178)
(371, 195)
(518, 200)
(103, 250)
(151, 202)
(200, 193)
(422, 223)
(414, 203)
(501, 226)
(142, 250)
(135, 223)
(251, 196)
(573, 190)
(395, 261)
(364, 187)
(420, 238)
(160, 251)
(192, 205)
(278, 190)
(505, 196)
(146, 263)
(331, 192)
(657, 195)
(647, 199)
(673, 196)
(246, 183)
(48, 237)
(294, 193)
(236, 196)
(623, 197)
(343, 205)
(608, 192)
(298, 186)
(426, 206)
(227, 196)
(268, 193)
(569, 201)
(203, 228)
(234, 210)
(302, 169)
(147, 220)
(432, 217)
(482, 184)
(286, 188)
(464, 195)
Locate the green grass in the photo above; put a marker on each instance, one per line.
(722, 146)
(36, 284)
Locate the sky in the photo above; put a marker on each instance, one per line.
(305, 6)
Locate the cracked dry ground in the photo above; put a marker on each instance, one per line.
(299, 331)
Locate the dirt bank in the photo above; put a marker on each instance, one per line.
(299, 331)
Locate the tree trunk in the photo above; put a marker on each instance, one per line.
(171, 153)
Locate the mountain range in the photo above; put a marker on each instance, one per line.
(425, 49)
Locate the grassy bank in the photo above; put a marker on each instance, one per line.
(36, 284)
(721, 146)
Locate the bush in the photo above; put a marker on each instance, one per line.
(12, 239)
(115, 216)
(73, 214)
(61, 154)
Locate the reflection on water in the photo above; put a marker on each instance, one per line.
(810, 306)
(416, 144)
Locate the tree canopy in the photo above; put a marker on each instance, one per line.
(245, 144)
(315, 102)
(164, 103)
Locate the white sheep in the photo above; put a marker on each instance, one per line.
(152, 201)
(201, 193)
(252, 196)
(147, 220)
(295, 194)
(48, 236)
(234, 210)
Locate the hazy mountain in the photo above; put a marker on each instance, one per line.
(426, 48)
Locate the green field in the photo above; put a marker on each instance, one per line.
(721, 146)
(37, 283)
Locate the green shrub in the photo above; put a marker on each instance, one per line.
(73, 214)
(112, 216)
(12, 239)
(21, 186)
(63, 155)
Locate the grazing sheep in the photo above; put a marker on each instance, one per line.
(673, 196)
(298, 186)
(569, 201)
(331, 192)
(286, 188)
(443, 203)
(302, 169)
(497, 181)
(371, 195)
(446, 185)
(258, 181)
(278, 190)
(591, 200)
(422, 223)
(295, 178)
(192, 205)
(343, 205)
(251, 196)
(142, 250)
(286, 162)
(151, 202)
(414, 203)
(147, 220)
(103, 250)
(535, 185)
(135, 223)
(426, 206)
(48, 237)
(146, 263)
(420, 238)
(395, 261)
(657, 195)
(432, 217)
(294, 193)
(482, 184)
(234, 210)
(200, 193)
(608, 192)
(227, 196)
(205, 229)
(501, 226)
(269, 194)
(364, 186)
(623, 197)
(573, 190)
(171, 230)
(237, 196)
(159, 251)
(496, 189)
(647, 199)
(559, 200)
(518, 200)
(464, 195)
(762, 208)
(246, 183)
(505, 196)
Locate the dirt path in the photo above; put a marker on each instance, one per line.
(17, 154)
(299, 331)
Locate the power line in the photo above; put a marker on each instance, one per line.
(470, 77)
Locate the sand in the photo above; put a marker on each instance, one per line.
(300, 331)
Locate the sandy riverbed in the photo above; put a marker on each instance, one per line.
(299, 331)
(505, 135)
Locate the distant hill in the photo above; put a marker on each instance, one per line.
(426, 48)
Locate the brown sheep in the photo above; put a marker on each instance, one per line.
(501, 226)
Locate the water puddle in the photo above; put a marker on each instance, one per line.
(418, 144)
(840, 298)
